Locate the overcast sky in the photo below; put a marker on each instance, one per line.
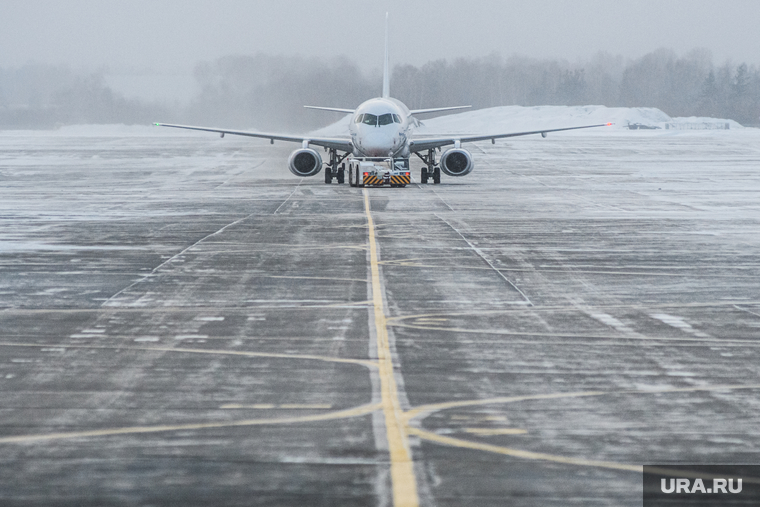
(172, 35)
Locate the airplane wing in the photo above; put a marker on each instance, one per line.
(336, 109)
(437, 109)
(337, 143)
(436, 142)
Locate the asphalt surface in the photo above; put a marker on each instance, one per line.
(183, 322)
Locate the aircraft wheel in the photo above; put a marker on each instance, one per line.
(424, 175)
(437, 175)
(341, 175)
(328, 175)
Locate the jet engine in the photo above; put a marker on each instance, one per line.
(456, 162)
(305, 162)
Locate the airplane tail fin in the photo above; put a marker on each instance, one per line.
(386, 70)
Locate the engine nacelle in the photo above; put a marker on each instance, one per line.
(456, 162)
(305, 162)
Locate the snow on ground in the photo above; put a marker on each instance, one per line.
(518, 118)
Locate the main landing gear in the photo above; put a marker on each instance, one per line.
(432, 170)
(333, 170)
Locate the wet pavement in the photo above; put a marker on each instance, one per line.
(186, 323)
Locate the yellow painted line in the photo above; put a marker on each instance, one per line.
(458, 442)
(362, 362)
(517, 453)
(356, 304)
(392, 262)
(495, 431)
(403, 481)
(306, 406)
(271, 406)
(506, 332)
(312, 278)
(110, 310)
(340, 414)
(260, 406)
(423, 411)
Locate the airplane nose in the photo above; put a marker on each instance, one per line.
(377, 145)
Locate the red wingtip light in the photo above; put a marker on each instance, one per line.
(609, 124)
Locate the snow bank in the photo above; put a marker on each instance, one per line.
(702, 123)
(518, 118)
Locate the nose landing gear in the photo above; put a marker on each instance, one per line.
(432, 170)
(333, 170)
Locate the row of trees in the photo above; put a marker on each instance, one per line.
(47, 96)
(268, 92)
(680, 86)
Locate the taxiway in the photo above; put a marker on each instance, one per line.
(186, 323)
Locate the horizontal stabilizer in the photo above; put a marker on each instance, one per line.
(336, 109)
(437, 109)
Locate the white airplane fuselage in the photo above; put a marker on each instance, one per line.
(381, 127)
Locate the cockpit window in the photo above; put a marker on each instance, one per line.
(369, 119)
(396, 118)
(385, 119)
(358, 119)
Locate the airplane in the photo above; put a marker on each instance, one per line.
(380, 130)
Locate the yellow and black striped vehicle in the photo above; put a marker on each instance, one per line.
(378, 172)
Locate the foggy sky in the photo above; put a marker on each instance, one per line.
(173, 35)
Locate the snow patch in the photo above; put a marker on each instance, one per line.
(678, 323)
(611, 321)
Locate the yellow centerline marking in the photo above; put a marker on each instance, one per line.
(495, 431)
(423, 411)
(505, 332)
(272, 406)
(403, 482)
(340, 414)
(328, 359)
(458, 442)
(313, 278)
